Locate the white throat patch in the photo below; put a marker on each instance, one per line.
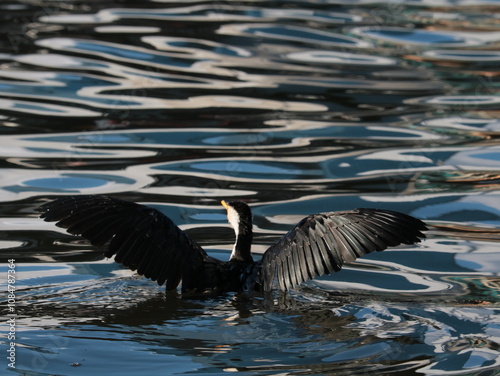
(234, 219)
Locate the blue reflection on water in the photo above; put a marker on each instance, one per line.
(294, 109)
(67, 182)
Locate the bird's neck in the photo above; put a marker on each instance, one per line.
(242, 247)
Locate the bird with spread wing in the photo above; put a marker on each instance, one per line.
(147, 241)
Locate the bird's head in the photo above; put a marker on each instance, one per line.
(239, 216)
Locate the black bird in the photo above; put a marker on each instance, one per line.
(145, 240)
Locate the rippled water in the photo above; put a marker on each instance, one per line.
(296, 107)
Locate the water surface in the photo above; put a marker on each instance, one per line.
(296, 107)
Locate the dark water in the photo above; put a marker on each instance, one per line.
(296, 107)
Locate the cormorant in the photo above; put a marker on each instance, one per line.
(145, 240)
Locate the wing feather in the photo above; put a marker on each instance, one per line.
(309, 257)
(295, 276)
(322, 243)
(139, 237)
(303, 270)
(371, 238)
(283, 275)
(347, 254)
(328, 242)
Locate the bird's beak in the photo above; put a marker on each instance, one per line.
(224, 203)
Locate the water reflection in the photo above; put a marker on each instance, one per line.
(310, 106)
(44, 109)
(343, 58)
(481, 58)
(207, 13)
(431, 38)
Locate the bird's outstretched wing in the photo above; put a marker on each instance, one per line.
(140, 237)
(322, 243)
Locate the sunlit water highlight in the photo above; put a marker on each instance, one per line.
(302, 107)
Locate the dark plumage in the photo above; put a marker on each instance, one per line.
(145, 240)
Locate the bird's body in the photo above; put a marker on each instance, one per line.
(145, 240)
